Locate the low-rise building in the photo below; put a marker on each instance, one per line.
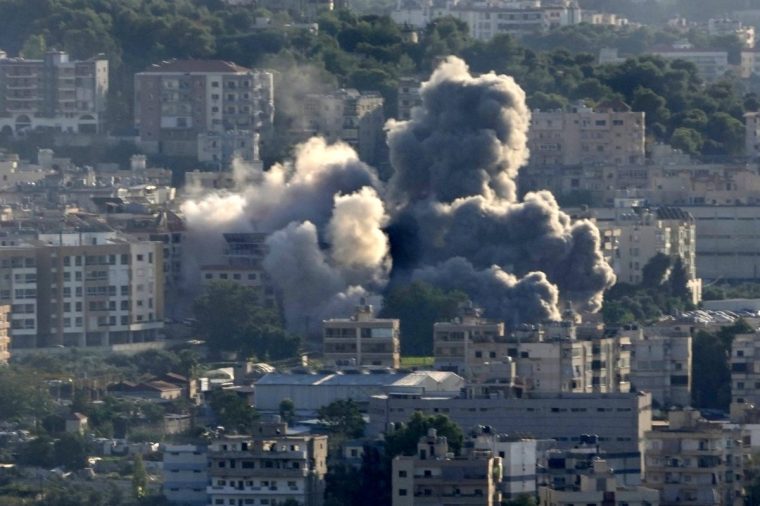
(584, 476)
(435, 476)
(362, 340)
(620, 419)
(661, 363)
(468, 343)
(185, 471)
(518, 460)
(268, 467)
(694, 461)
(712, 64)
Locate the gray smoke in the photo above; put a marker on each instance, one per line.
(502, 295)
(324, 216)
(455, 165)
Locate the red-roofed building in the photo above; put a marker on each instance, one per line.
(179, 100)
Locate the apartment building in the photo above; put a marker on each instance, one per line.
(435, 476)
(468, 343)
(745, 369)
(620, 419)
(487, 19)
(579, 477)
(610, 133)
(82, 285)
(408, 97)
(178, 100)
(639, 233)
(185, 471)
(222, 149)
(347, 115)
(694, 461)
(712, 64)
(752, 133)
(242, 264)
(5, 340)
(661, 360)
(553, 358)
(362, 340)
(53, 93)
(268, 467)
(518, 460)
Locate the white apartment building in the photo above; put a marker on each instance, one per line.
(434, 476)
(268, 467)
(185, 471)
(610, 133)
(221, 149)
(661, 363)
(694, 461)
(5, 340)
(362, 340)
(53, 93)
(711, 64)
(487, 19)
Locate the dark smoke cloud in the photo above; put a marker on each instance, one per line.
(456, 161)
(502, 295)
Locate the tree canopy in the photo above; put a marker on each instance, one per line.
(403, 440)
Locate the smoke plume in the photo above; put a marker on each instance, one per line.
(449, 215)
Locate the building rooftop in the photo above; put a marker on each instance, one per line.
(379, 380)
(193, 66)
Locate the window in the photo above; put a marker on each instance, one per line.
(402, 491)
(402, 474)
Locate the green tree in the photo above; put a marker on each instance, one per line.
(139, 478)
(403, 440)
(287, 410)
(232, 411)
(655, 271)
(687, 140)
(34, 47)
(419, 305)
(679, 280)
(231, 317)
(342, 418)
(70, 451)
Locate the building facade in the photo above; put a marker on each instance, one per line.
(362, 340)
(694, 461)
(53, 93)
(178, 100)
(661, 364)
(610, 133)
(268, 467)
(185, 470)
(745, 369)
(5, 340)
(434, 476)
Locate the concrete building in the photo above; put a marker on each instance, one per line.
(610, 133)
(268, 467)
(745, 369)
(434, 476)
(518, 460)
(53, 93)
(711, 64)
(661, 364)
(620, 420)
(694, 461)
(242, 264)
(185, 473)
(752, 134)
(584, 476)
(554, 358)
(408, 97)
(347, 115)
(309, 392)
(362, 340)
(221, 149)
(83, 285)
(5, 340)
(178, 100)
(467, 344)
